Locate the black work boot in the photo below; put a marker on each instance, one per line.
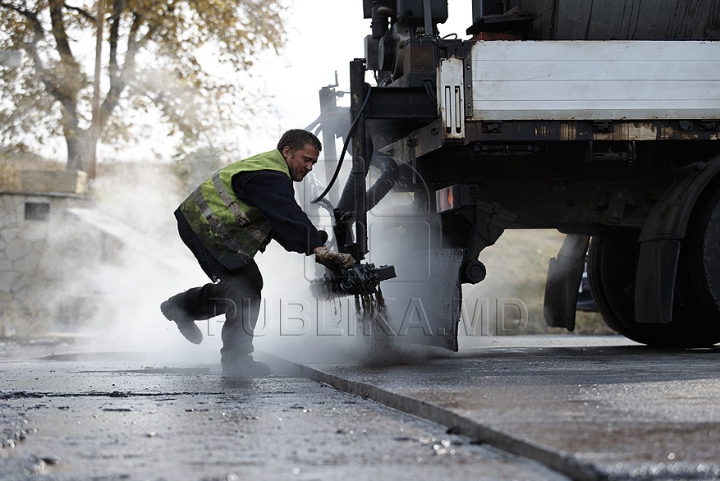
(185, 324)
(245, 366)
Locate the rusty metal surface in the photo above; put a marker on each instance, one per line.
(421, 142)
(551, 130)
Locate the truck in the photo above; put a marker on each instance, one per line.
(598, 120)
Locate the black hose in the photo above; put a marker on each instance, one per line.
(344, 149)
(430, 91)
(389, 173)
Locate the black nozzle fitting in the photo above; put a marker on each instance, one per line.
(380, 22)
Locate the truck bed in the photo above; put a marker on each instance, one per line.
(594, 80)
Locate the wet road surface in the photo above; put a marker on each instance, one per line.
(109, 416)
(562, 407)
(597, 408)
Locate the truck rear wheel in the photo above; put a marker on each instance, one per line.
(697, 290)
(611, 273)
(611, 279)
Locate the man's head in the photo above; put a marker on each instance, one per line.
(300, 149)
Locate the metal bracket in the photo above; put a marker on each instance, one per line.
(608, 152)
(451, 97)
(603, 126)
(468, 88)
(489, 221)
(619, 198)
(513, 149)
(491, 127)
(710, 125)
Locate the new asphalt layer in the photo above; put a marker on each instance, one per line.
(591, 408)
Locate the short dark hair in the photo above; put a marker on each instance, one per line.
(296, 139)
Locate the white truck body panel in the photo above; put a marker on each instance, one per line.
(452, 97)
(595, 80)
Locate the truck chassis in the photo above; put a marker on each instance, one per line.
(613, 143)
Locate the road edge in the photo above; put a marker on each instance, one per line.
(456, 424)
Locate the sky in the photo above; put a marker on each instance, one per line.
(324, 39)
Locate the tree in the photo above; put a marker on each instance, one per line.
(152, 47)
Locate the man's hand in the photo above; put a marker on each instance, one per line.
(333, 260)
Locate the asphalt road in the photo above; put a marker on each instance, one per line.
(592, 408)
(562, 407)
(112, 416)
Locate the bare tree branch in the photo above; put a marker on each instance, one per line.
(31, 16)
(46, 78)
(118, 80)
(84, 13)
(58, 31)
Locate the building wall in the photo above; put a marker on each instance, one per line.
(43, 250)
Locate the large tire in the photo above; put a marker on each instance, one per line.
(611, 272)
(697, 290)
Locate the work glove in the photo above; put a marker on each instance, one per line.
(333, 260)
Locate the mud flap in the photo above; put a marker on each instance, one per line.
(660, 239)
(563, 280)
(422, 301)
(658, 263)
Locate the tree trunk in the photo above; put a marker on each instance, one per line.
(79, 150)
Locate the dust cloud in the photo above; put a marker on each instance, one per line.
(118, 257)
(115, 258)
(137, 262)
(297, 326)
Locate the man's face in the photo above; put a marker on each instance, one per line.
(300, 161)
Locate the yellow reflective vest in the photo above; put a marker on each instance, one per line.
(230, 229)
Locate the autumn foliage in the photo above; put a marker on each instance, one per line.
(151, 59)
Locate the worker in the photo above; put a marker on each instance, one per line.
(225, 222)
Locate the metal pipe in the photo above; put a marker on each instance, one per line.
(379, 24)
(359, 168)
(389, 173)
(427, 13)
(328, 106)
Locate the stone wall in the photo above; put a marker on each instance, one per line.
(42, 251)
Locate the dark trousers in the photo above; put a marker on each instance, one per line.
(237, 295)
